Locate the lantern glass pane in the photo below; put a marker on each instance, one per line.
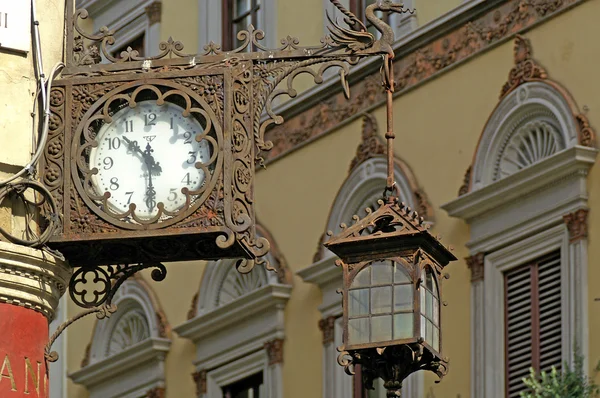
(403, 326)
(428, 305)
(429, 333)
(436, 312)
(381, 328)
(363, 278)
(359, 302)
(381, 272)
(436, 339)
(400, 274)
(429, 280)
(358, 331)
(423, 326)
(381, 300)
(403, 298)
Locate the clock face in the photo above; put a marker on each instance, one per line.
(149, 156)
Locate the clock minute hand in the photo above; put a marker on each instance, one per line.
(150, 192)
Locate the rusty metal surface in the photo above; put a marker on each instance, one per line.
(228, 91)
(394, 233)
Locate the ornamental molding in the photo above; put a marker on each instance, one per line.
(200, 381)
(32, 278)
(429, 51)
(527, 202)
(327, 327)
(577, 225)
(156, 392)
(371, 143)
(572, 162)
(534, 118)
(137, 370)
(153, 12)
(526, 68)
(476, 265)
(134, 290)
(274, 349)
(241, 326)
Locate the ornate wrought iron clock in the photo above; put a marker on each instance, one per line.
(153, 169)
(151, 159)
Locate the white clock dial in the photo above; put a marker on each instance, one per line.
(146, 156)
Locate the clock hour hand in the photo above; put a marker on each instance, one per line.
(132, 146)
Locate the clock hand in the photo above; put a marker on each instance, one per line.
(133, 146)
(150, 192)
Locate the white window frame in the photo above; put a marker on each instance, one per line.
(210, 23)
(127, 19)
(230, 339)
(524, 208)
(495, 265)
(134, 371)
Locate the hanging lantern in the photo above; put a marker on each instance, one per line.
(392, 269)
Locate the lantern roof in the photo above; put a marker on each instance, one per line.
(392, 229)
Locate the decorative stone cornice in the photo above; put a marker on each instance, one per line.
(153, 11)
(577, 224)
(200, 381)
(526, 68)
(464, 188)
(424, 54)
(86, 356)
(475, 264)
(371, 143)
(156, 392)
(327, 327)
(32, 278)
(274, 350)
(192, 311)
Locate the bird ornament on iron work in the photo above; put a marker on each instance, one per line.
(358, 39)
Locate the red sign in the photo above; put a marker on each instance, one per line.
(23, 336)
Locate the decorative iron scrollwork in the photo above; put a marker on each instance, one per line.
(105, 281)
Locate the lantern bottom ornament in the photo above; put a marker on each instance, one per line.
(393, 364)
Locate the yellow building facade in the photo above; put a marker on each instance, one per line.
(495, 107)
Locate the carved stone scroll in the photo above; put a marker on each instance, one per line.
(476, 265)
(274, 350)
(200, 381)
(577, 224)
(327, 326)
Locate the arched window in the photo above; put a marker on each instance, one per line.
(125, 357)
(237, 324)
(362, 188)
(526, 185)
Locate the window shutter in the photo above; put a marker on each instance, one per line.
(532, 320)
(518, 328)
(550, 313)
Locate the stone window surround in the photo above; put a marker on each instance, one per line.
(140, 16)
(210, 19)
(527, 206)
(255, 344)
(141, 366)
